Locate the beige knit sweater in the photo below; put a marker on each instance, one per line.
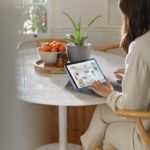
(136, 81)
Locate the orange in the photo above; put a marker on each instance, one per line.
(62, 48)
(53, 49)
(44, 48)
(55, 46)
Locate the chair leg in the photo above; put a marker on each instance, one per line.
(99, 148)
(110, 148)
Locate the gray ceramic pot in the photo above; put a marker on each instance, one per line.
(77, 53)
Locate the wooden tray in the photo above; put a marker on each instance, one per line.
(40, 66)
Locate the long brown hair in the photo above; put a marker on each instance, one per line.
(136, 20)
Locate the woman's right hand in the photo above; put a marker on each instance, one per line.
(119, 73)
(101, 88)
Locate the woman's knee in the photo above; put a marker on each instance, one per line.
(106, 114)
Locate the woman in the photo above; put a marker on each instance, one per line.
(135, 93)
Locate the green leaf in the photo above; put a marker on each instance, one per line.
(90, 23)
(78, 32)
(72, 37)
(69, 17)
(83, 39)
(93, 20)
(71, 40)
(84, 32)
(79, 24)
(79, 36)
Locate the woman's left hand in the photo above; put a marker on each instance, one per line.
(101, 88)
(120, 73)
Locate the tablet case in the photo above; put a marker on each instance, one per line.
(71, 78)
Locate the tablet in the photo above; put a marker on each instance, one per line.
(83, 73)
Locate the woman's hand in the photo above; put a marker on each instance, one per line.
(119, 73)
(101, 88)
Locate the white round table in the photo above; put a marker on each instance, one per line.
(51, 89)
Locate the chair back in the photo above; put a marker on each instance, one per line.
(37, 42)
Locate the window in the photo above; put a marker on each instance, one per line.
(32, 17)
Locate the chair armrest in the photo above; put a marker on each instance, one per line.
(133, 114)
(138, 116)
(108, 47)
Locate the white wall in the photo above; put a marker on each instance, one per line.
(10, 137)
(104, 31)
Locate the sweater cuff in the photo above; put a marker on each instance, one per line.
(112, 100)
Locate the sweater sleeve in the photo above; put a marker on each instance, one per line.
(135, 84)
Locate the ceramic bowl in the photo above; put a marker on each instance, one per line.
(48, 57)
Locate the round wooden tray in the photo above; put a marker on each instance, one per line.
(40, 66)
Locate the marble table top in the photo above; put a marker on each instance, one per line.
(51, 89)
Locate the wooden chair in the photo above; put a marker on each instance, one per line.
(108, 47)
(115, 48)
(36, 42)
(109, 148)
(136, 115)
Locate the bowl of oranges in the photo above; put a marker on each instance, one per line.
(48, 52)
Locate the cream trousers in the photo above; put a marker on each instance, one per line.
(108, 129)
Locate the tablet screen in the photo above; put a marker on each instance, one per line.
(83, 73)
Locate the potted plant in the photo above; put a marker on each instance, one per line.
(78, 49)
